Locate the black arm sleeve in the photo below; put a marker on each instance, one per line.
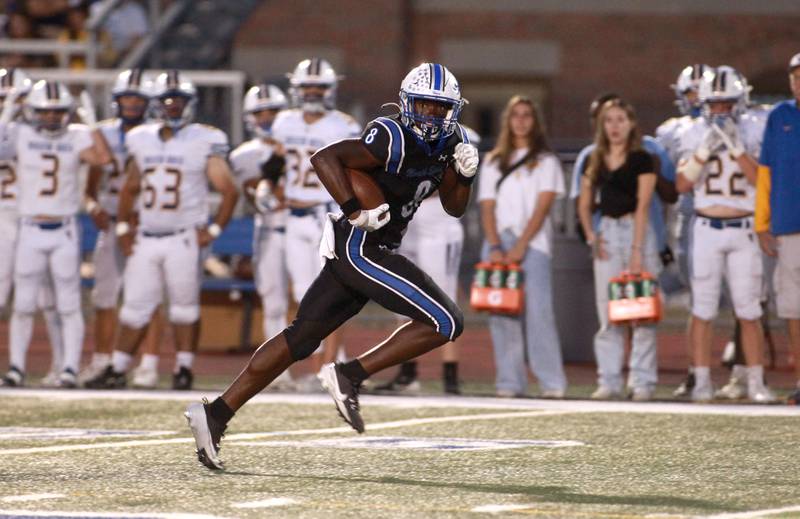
(273, 168)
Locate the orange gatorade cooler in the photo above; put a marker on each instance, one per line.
(634, 299)
(497, 289)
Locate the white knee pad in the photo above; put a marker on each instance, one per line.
(184, 314)
(25, 297)
(136, 315)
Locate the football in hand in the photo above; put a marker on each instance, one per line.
(366, 189)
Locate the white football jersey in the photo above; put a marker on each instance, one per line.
(246, 161)
(722, 181)
(174, 187)
(114, 172)
(301, 140)
(8, 173)
(669, 132)
(48, 169)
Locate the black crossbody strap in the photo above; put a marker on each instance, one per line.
(504, 173)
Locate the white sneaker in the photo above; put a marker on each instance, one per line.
(702, 393)
(605, 393)
(735, 389)
(641, 394)
(67, 379)
(556, 394)
(50, 380)
(145, 378)
(760, 394)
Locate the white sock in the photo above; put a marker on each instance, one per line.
(183, 359)
(101, 360)
(73, 329)
(755, 376)
(20, 334)
(121, 361)
(702, 376)
(149, 362)
(55, 333)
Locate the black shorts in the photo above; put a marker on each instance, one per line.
(362, 272)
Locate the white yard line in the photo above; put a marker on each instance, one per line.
(30, 497)
(267, 503)
(449, 402)
(299, 432)
(752, 514)
(105, 515)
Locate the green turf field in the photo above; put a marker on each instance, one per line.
(420, 457)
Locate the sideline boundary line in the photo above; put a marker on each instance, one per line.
(405, 402)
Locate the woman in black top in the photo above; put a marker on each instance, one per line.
(617, 187)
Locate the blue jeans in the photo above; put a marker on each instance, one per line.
(609, 341)
(532, 332)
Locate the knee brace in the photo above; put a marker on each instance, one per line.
(303, 338)
(136, 316)
(184, 314)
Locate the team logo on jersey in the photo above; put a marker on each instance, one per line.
(443, 157)
(434, 170)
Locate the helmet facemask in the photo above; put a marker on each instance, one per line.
(175, 109)
(259, 122)
(314, 97)
(130, 115)
(51, 121)
(430, 118)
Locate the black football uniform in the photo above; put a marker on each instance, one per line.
(366, 266)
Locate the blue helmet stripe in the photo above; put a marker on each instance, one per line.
(397, 145)
(437, 76)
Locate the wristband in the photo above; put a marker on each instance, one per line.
(214, 230)
(122, 228)
(350, 206)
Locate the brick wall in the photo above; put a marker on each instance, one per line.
(636, 55)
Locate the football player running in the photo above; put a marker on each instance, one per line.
(409, 155)
(131, 96)
(311, 124)
(721, 172)
(18, 81)
(49, 153)
(170, 164)
(261, 105)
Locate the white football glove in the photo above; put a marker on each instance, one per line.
(372, 219)
(729, 136)
(466, 157)
(86, 110)
(263, 198)
(708, 144)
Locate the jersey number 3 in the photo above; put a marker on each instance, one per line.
(50, 174)
(171, 191)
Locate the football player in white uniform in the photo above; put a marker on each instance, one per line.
(311, 124)
(170, 164)
(49, 153)
(669, 135)
(261, 105)
(721, 171)
(130, 94)
(17, 80)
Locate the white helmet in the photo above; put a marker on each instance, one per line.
(313, 72)
(258, 98)
(131, 82)
(720, 85)
(168, 85)
(430, 81)
(48, 95)
(14, 79)
(689, 81)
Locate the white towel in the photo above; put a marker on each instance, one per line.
(327, 245)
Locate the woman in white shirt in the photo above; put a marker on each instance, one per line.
(519, 181)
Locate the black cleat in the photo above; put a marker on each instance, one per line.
(686, 387)
(344, 393)
(405, 382)
(14, 378)
(207, 434)
(183, 379)
(107, 379)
